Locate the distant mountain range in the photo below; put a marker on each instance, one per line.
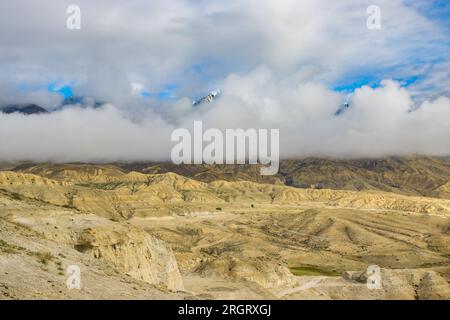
(23, 108)
(28, 109)
(89, 102)
(413, 175)
(83, 102)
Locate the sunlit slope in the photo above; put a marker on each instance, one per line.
(136, 193)
(228, 239)
(414, 175)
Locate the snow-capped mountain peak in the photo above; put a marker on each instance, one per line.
(210, 97)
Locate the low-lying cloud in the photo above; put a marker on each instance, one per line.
(278, 64)
(380, 122)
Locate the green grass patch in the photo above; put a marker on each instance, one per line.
(313, 271)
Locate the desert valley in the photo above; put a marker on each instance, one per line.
(159, 231)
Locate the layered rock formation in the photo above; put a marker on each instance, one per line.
(127, 248)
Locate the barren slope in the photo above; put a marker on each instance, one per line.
(414, 175)
(229, 239)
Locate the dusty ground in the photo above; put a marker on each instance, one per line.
(238, 245)
(166, 236)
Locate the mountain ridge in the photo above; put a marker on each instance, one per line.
(413, 175)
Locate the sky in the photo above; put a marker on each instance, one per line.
(279, 64)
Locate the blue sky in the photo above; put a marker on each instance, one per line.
(416, 64)
(66, 91)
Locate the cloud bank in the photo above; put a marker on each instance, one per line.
(380, 122)
(277, 63)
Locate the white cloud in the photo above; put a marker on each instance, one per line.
(76, 134)
(159, 41)
(378, 123)
(273, 60)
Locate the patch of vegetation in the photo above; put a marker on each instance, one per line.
(313, 271)
(16, 196)
(190, 231)
(102, 186)
(43, 257)
(59, 267)
(222, 248)
(109, 185)
(219, 209)
(7, 248)
(134, 188)
(85, 185)
(11, 195)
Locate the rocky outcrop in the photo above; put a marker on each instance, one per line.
(265, 271)
(128, 249)
(133, 252)
(419, 284)
(33, 267)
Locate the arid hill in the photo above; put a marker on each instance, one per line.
(422, 176)
(171, 236)
(414, 175)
